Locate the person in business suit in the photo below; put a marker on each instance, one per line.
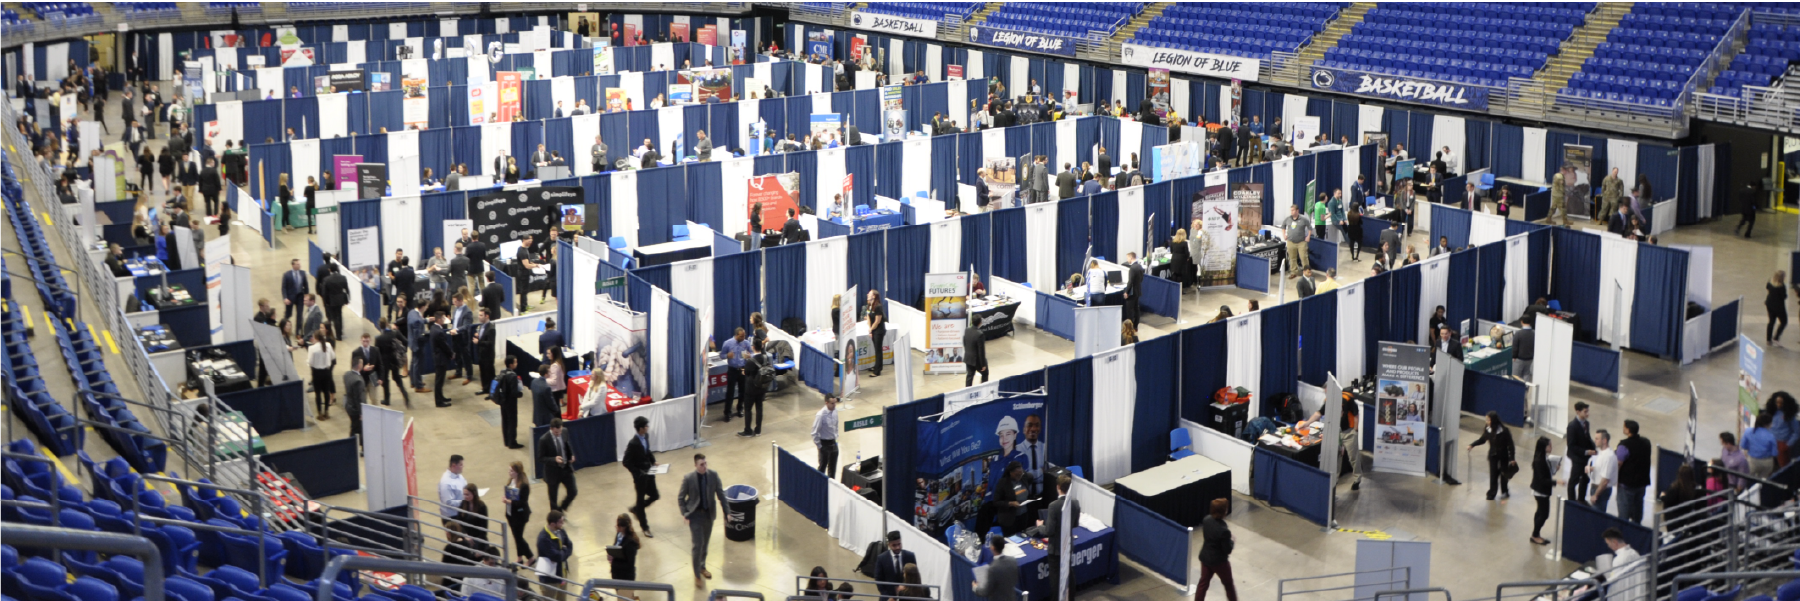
(453, 179)
(597, 156)
(539, 158)
(462, 320)
(370, 370)
(500, 162)
(1390, 240)
(293, 289)
(1040, 179)
(1010, 498)
(559, 463)
(312, 317)
(852, 135)
(558, 113)
(443, 354)
(791, 232)
(391, 345)
(1002, 575)
(416, 331)
(650, 155)
(554, 544)
(356, 392)
(1065, 182)
(481, 348)
(492, 295)
(1620, 222)
(517, 499)
(1579, 437)
(638, 460)
(981, 191)
(1305, 285)
(115, 263)
(1500, 454)
(1471, 197)
(701, 498)
(508, 387)
(1050, 528)
(1104, 164)
(702, 146)
(336, 290)
(890, 567)
(1442, 248)
(974, 353)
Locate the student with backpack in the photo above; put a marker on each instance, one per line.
(759, 373)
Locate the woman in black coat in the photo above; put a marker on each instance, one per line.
(624, 550)
(165, 166)
(518, 507)
(1181, 262)
(1542, 481)
(1500, 454)
(1215, 550)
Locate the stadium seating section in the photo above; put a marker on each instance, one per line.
(147, 8)
(48, 10)
(1246, 29)
(225, 8)
(1476, 43)
(936, 11)
(1071, 20)
(1766, 56)
(1651, 55)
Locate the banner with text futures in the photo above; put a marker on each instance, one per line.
(1184, 61)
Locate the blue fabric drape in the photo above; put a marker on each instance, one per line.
(737, 291)
(437, 152)
(684, 354)
(1509, 150)
(658, 276)
(1072, 242)
(867, 262)
(1304, 172)
(386, 110)
(944, 169)
(559, 137)
(1459, 302)
(1318, 338)
(360, 214)
(806, 165)
(1157, 410)
(705, 188)
(976, 245)
(1475, 144)
(440, 111)
(1159, 205)
(267, 163)
(786, 288)
(859, 162)
(262, 120)
(302, 114)
(1419, 136)
(434, 209)
(908, 258)
(968, 155)
(1375, 314)
(1280, 353)
(1539, 240)
(1575, 277)
(615, 130)
(1202, 370)
(1104, 229)
(693, 121)
(357, 113)
(526, 135)
(1490, 284)
(889, 166)
(804, 488)
(466, 148)
(900, 436)
(1659, 307)
(1009, 243)
(1452, 223)
(1069, 411)
(1328, 169)
(662, 204)
(1403, 302)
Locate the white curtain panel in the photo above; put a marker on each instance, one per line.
(1700, 274)
(1096, 329)
(1071, 81)
(562, 89)
(659, 342)
(1434, 289)
(1131, 141)
(691, 282)
(855, 521)
(813, 77)
(993, 145)
(973, 66)
(663, 54)
(827, 273)
(270, 81)
(340, 33)
(896, 56)
(915, 171)
(959, 106)
(1618, 286)
(625, 206)
(671, 425)
(1065, 151)
(231, 124)
(1621, 155)
(1131, 223)
(1040, 246)
(1350, 319)
(586, 128)
(503, 26)
(1021, 76)
(1705, 175)
(1352, 167)
(1243, 367)
(1485, 228)
(1447, 130)
(305, 156)
(1178, 96)
(1115, 401)
(831, 176)
(737, 193)
(1293, 107)
(933, 556)
(749, 111)
(1284, 189)
(448, 28)
(1119, 84)
(821, 104)
(633, 82)
(165, 63)
(496, 139)
(1225, 104)
(668, 127)
(934, 65)
(356, 52)
(1535, 139)
(765, 73)
(1368, 119)
(1555, 338)
(1094, 500)
(224, 58)
(396, 31)
(403, 162)
(478, 70)
(946, 246)
(584, 336)
(400, 228)
(1517, 293)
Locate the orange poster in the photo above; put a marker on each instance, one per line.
(512, 94)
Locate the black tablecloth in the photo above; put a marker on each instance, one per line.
(1186, 504)
(1308, 455)
(996, 322)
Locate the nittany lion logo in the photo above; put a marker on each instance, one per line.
(1323, 78)
(856, 19)
(1129, 51)
(974, 34)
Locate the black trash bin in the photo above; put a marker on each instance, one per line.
(740, 512)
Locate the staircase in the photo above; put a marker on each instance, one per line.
(192, 12)
(1580, 45)
(981, 16)
(1336, 30)
(1154, 10)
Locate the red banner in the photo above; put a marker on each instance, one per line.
(678, 32)
(955, 71)
(408, 454)
(511, 94)
(708, 35)
(856, 47)
(774, 195)
(631, 35)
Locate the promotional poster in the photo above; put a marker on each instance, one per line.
(893, 124)
(708, 35)
(603, 60)
(1159, 92)
(362, 251)
(416, 103)
(511, 85)
(774, 195)
(339, 81)
(707, 83)
(739, 44)
(482, 105)
(380, 81)
(620, 361)
(947, 309)
(573, 217)
(1250, 210)
(1218, 242)
(678, 32)
(1580, 194)
(962, 457)
(1750, 364)
(819, 43)
(1401, 407)
(1400, 88)
(1002, 181)
(826, 125)
(617, 100)
(371, 180)
(1170, 161)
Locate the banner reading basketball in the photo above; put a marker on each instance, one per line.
(511, 94)
(774, 195)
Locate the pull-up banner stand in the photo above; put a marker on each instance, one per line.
(1402, 372)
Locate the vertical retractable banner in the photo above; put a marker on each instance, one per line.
(1401, 407)
(947, 312)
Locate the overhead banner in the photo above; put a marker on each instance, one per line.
(1750, 364)
(621, 360)
(774, 195)
(1436, 93)
(947, 308)
(511, 93)
(1197, 63)
(924, 28)
(511, 215)
(1020, 40)
(962, 457)
(1401, 407)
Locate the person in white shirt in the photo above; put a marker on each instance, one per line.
(824, 435)
(450, 487)
(1096, 282)
(1626, 576)
(1603, 471)
(1032, 447)
(1450, 165)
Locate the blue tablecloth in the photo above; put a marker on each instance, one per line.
(143, 266)
(1095, 557)
(670, 252)
(877, 221)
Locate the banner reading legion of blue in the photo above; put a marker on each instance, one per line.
(962, 457)
(1403, 89)
(1021, 40)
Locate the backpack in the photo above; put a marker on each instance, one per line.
(765, 370)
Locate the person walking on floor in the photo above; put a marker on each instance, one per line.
(1603, 471)
(293, 290)
(890, 567)
(507, 391)
(1747, 201)
(622, 555)
(391, 344)
(1524, 348)
(639, 460)
(335, 289)
(1501, 465)
(974, 353)
(443, 355)
(758, 375)
(1215, 551)
(554, 549)
(1543, 474)
(517, 498)
(1002, 575)
(1776, 303)
(701, 497)
(321, 357)
(559, 463)
(355, 393)
(825, 434)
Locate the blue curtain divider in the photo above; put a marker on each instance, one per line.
(908, 258)
(1009, 243)
(900, 424)
(1459, 302)
(977, 248)
(1596, 366)
(1055, 315)
(1659, 307)
(867, 261)
(1724, 324)
(316, 467)
(1161, 297)
(1575, 280)
(1501, 394)
(1157, 542)
(275, 408)
(1403, 302)
(1318, 337)
(737, 290)
(786, 291)
(803, 488)
(684, 351)
(818, 370)
(1103, 228)
(1321, 254)
(1253, 273)
(1068, 408)
(1450, 222)
(1581, 528)
(1490, 283)
(1157, 410)
(1283, 482)
(506, 286)
(1280, 353)
(1377, 289)
(1202, 352)
(591, 439)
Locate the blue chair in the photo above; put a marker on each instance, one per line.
(1076, 469)
(680, 232)
(306, 559)
(88, 588)
(41, 580)
(617, 243)
(1180, 440)
(212, 547)
(283, 592)
(186, 549)
(1693, 593)
(127, 574)
(240, 551)
(230, 581)
(1487, 181)
(1730, 595)
(184, 589)
(1788, 592)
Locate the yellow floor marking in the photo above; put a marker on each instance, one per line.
(68, 476)
(1372, 534)
(49, 322)
(27, 311)
(109, 341)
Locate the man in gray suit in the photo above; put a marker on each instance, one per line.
(1002, 575)
(1065, 182)
(597, 155)
(453, 181)
(355, 394)
(703, 146)
(1040, 179)
(701, 498)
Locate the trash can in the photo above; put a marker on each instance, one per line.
(740, 512)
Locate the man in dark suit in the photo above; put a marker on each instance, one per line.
(336, 290)
(1065, 182)
(1134, 287)
(543, 403)
(1580, 439)
(462, 321)
(370, 370)
(701, 498)
(416, 332)
(492, 295)
(1620, 223)
(1002, 575)
(551, 337)
(1305, 284)
(1391, 239)
(1050, 528)
(507, 390)
(981, 190)
(210, 186)
(453, 180)
(293, 289)
(459, 267)
(443, 354)
(791, 231)
(1104, 164)
(401, 273)
(974, 352)
(481, 348)
(115, 263)
(639, 460)
(392, 346)
(558, 463)
(889, 567)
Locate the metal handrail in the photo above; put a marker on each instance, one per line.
(1686, 578)
(20, 535)
(353, 562)
(719, 594)
(1282, 592)
(1409, 591)
(589, 588)
(800, 583)
(1555, 585)
(55, 500)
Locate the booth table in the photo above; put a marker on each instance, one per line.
(671, 252)
(1181, 490)
(178, 297)
(156, 338)
(1488, 360)
(224, 372)
(236, 436)
(824, 340)
(994, 315)
(1093, 558)
(145, 265)
(1307, 454)
(879, 220)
